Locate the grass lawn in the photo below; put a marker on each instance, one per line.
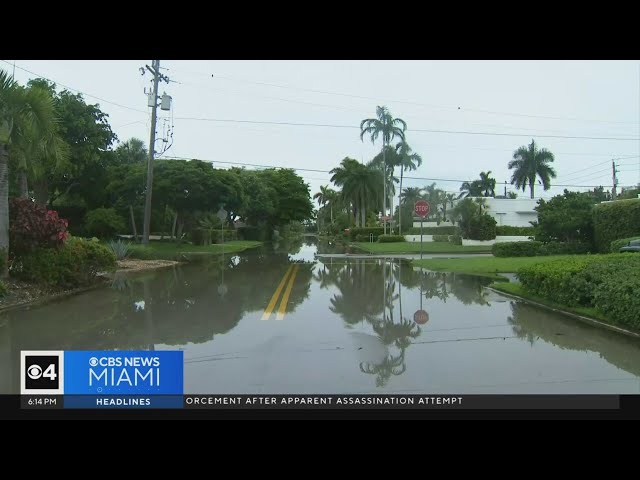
(169, 251)
(414, 247)
(483, 265)
(517, 289)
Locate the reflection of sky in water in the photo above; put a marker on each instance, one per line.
(348, 327)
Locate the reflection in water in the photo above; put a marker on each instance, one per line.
(173, 306)
(370, 291)
(535, 325)
(351, 323)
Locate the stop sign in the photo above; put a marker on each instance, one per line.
(421, 317)
(422, 208)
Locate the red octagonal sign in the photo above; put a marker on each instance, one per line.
(422, 208)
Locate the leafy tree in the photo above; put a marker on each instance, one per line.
(23, 113)
(407, 160)
(565, 218)
(86, 130)
(389, 127)
(359, 185)
(529, 162)
(470, 189)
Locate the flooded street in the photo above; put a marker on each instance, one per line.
(281, 320)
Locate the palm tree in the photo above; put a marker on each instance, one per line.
(389, 128)
(409, 161)
(24, 113)
(132, 151)
(359, 184)
(487, 184)
(325, 196)
(528, 163)
(410, 195)
(470, 189)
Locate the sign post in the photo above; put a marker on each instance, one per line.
(421, 208)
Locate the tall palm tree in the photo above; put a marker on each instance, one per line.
(325, 196)
(407, 160)
(23, 113)
(410, 195)
(528, 164)
(487, 184)
(389, 128)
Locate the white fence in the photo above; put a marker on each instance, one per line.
(500, 239)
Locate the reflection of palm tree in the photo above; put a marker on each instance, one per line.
(391, 365)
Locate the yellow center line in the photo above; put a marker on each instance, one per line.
(287, 292)
(274, 299)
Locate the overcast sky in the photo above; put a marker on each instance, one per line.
(536, 99)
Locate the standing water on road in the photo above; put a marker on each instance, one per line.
(281, 320)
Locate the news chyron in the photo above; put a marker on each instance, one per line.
(101, 379)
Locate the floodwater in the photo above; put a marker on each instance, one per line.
(281, 320)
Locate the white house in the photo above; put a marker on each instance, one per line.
(515, 212)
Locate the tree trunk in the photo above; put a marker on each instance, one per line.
(173, 229)
(384, 188)
(133, 223)
(164, 221)
(532, 185)
(400, 203)
(4, 210)
(363, 211)
(41, 192)
(24, 185)
(180, 227)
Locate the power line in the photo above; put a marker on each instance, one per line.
(458, 132)
(425, 104)
(327, 171)
(79, 91)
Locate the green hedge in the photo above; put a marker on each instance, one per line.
(75, 264)
(482, 227)
(441, 238)
(535, 248)
(448, 230)
(610, 283)
(390, 238)
(516, 249)
(455, 239)
(253, 233)
(104, 223)
(366, 231)
(506, 230)
(616, 245)
(615, 220)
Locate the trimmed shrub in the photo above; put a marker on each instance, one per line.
(441, 238)
(455, 239)
(366, 231)
(447, 230)
(507, 230)
(516, 249)
(617, 298)
(564, 248)
(616, 245)
(32, 227)
(482, 227)
(391, 238)
(76, 263)
(362, 238)
(553, 280)
(103, 223)
(611, 221)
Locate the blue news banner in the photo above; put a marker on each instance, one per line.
(102, 379)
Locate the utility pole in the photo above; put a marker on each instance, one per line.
(157, 76)
(615, 180)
